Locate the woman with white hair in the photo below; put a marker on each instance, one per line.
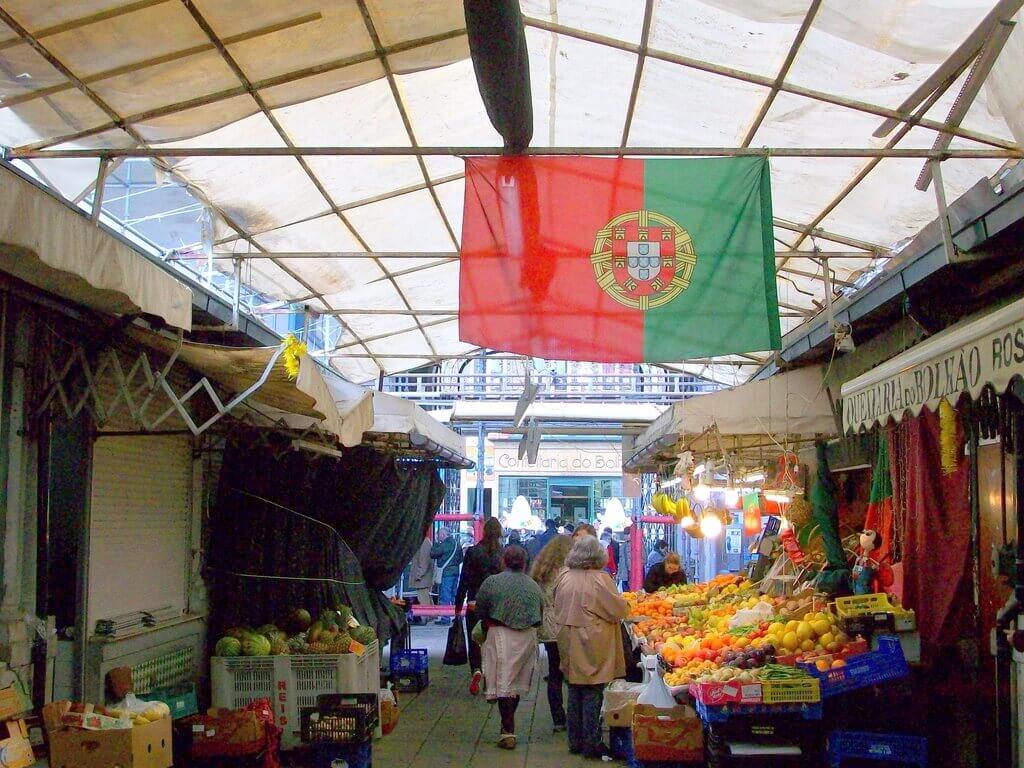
(588, 611)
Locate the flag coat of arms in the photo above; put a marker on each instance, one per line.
(618, 260)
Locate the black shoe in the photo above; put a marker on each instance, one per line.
(558, 728)
(601, 751)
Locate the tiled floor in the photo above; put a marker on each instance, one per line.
(445, 726)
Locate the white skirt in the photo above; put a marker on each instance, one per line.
(509, 660)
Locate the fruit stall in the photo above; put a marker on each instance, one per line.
(765, 676)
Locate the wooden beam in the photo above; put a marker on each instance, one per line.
(1004, 10)
(164, 59)
(766, 82)
(462, 151)
(968, 93)
(638, 72)
(780, 78)
(229, 93)
(85, 21)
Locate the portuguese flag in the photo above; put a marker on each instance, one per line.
(618, 260)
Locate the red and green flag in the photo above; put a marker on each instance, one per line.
(618, 260)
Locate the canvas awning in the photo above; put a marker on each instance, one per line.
(50, 246)
(786, 408)
(403, 425)
(961, 359)
(342, 409)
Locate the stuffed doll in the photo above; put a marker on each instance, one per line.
(871, 571)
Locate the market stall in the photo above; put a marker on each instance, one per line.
(787, 409)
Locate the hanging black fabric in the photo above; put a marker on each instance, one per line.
(456, 652)
(292, 531)
(380, 505)
(497, 44)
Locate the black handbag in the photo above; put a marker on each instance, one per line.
(455, 652)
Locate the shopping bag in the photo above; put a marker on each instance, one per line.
(455, 652)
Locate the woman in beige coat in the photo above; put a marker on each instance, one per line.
(588, 610)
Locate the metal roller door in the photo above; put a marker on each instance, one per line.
(139, 524)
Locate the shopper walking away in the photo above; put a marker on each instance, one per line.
(667, 573)
(612, 546)
(481, 560)
(421, 573)
(657, 554)
(589, 611)
(510, 605)
(625, 558)
(447, 556)
(541, 540)
(545, 571)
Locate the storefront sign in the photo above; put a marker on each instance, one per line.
(583, 459)
(961, 359)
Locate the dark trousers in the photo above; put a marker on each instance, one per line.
(555, 681)
(583, 725)
(475, 652)
(507, 706)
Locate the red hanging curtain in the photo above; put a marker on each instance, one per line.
(937, 534)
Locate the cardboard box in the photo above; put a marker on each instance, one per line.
(142, 746)
(619, 700)
(13, 701)
(667, 735)
(15, 748)
(226, 733)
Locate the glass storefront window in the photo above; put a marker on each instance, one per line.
(607, 487)
(535, 489)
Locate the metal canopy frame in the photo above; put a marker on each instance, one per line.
(976, 50)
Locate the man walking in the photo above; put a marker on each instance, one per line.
(421, 574)
(447, 556)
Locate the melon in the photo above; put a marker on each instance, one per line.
(267, 629)
(298, 621)
(228, 646)
(256, 645)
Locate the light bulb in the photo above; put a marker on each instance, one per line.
(687, 521)
(732, 497)
(710, 526)
(702, 493)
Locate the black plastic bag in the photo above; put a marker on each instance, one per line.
(455, 652)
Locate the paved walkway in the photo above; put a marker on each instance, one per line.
(445, 726)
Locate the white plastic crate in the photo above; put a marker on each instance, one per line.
(292, 682)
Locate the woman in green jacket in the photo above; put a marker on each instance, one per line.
(510, 605)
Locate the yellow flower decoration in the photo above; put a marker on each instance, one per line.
(293, 351)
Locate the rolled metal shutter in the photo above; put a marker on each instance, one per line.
(139, 528)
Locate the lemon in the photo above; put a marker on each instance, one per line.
(827, 639)
(776, 628)
(807, 645)
(790, 641)
(804, 631)
(792, 625)
(820, 627)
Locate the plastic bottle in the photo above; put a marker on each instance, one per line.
(655, 693)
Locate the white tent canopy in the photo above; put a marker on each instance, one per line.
(415, 429)
(46, 244)
(374, 237)
(777, 411)
(963, 359)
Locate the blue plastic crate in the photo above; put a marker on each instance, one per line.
(871, 668)
(720, 714)
(891, 747)
(352, 755)
(410, 660)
